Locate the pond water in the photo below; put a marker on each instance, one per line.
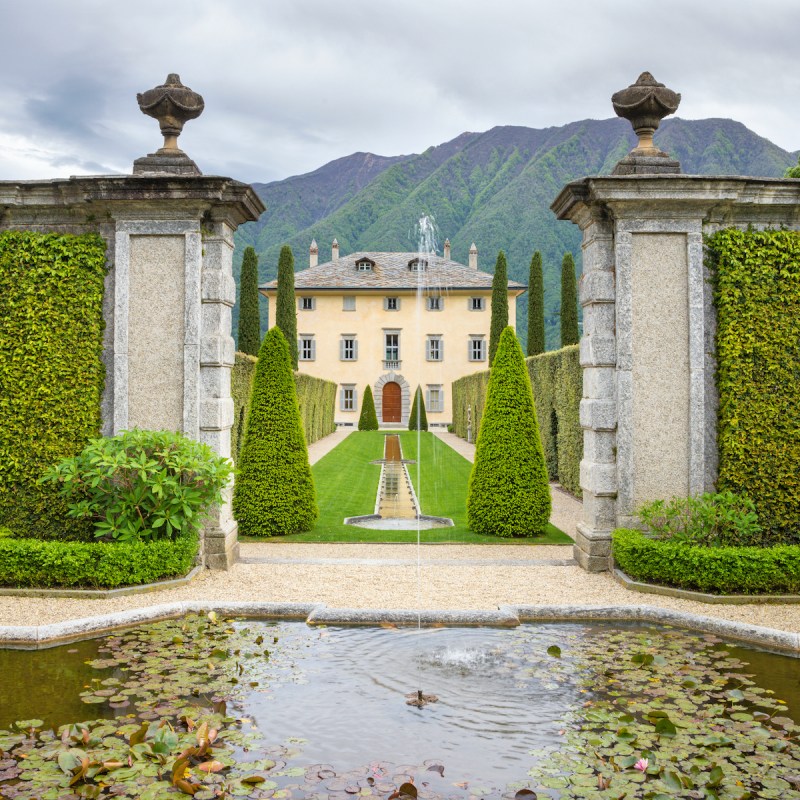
(562, 710)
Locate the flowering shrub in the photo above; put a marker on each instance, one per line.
(711, 520)
(142, 485)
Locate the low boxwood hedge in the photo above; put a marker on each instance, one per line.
(52, 563)
(716, 570)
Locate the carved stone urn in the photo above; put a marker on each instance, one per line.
(172, 104)
(644, 104)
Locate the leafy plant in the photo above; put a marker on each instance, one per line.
(569, 302)
(711, 520)
(285, 303)
(141, 485)
(418, 418)
(536, 340)
(499, 319)
(249, 337)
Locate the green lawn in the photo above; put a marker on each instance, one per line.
(347, 485)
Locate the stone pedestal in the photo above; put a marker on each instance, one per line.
(649, 407)
(168, 348)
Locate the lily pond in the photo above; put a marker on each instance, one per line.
(212, 707)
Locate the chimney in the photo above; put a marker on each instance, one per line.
(447, 249)
(473, 256)
(335, 251)
(313, 254)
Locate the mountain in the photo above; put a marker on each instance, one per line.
(493, 188)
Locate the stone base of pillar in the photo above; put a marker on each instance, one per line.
(221, 545)
(592, 549)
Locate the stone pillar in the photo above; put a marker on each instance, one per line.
(649, 406)
(168, 348)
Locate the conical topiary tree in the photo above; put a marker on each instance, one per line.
(249, 333)
(368, 421)
(508, 492)
(569, 302)
(285, 303)
(274, 491)
(418, 419)
(536, 343)
(499, 303)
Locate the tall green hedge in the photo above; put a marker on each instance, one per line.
(316, 397)
(557, 382)
(757, 293)
(51, 372)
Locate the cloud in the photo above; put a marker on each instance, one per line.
(292, 84)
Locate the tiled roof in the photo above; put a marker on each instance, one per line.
(391, 271)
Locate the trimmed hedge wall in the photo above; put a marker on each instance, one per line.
(717, 570)
(316, 397)
(557, 382)
(757, 292)
(28, 563)
(51, 372)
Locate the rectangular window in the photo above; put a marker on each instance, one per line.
(306, 347)
(477, 349)
(349, 303)
(391, 303)
(477, 303)
(435, 303)
(348, 397)
(392, 343)
(307, 303)
(348, 348)
(435, 399)
(434, 348)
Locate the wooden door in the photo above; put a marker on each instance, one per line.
(391, 410)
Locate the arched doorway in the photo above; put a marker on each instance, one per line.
(391, 405)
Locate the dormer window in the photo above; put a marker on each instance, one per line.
(365, 265)
(418, 264)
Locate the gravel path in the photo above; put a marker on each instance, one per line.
(451, 576)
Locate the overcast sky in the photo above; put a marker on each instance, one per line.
(292, 84)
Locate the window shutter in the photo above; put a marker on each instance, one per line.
(385, 303)
(428, 400)
(313, 349)
(355, 349)
(469, 350)
(441, 349)
(341, 349)
(428, 349)
(355, 399)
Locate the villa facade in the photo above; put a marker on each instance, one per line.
(393, 321)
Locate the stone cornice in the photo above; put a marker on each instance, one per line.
(126, 196)
(715, 200)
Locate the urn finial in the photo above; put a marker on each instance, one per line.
(172, 104)
(644, 104)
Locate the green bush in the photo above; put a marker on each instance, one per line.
(274, 491)
(141, 485)
(569, 302)
(315, 396)
(249, 331)
(499, 308)
(368, 421)
(27, 562)
(285, 302)
(757, 293)
(508, 493)
(717, 570)
(557, 383)
(710, 520)
(51, 372)
(536, 340)
(418, 418)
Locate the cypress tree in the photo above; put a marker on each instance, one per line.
(285, 303)
(418, 419)
(536, 307)
(249, 323)
(274, 490)
(368, 421)
(499, 304)
(569, 302)
(508, 492)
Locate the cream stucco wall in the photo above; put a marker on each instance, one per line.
(455, 323)
(156, 332)
(660, 374)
